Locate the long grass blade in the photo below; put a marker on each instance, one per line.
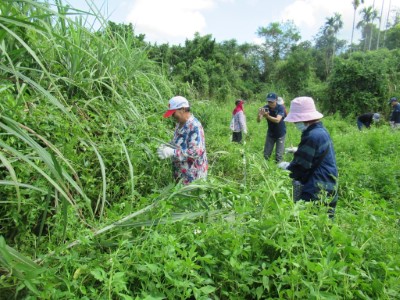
(28, 80)
(11, 170)
(13, 259)
(23, 185)
(55, 150)
(106, 228)
(131, 173)
(59, 173)
(103, 176)
(38, 87)
(44, 216)
(64, 213)
(175, 217)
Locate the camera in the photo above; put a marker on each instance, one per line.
(264, 109)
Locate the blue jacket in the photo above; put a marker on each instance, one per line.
(395, 115)
(314, 141)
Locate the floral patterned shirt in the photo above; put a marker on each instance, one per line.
(190, 159)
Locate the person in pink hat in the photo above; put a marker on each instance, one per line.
(314, 162)
(187, 148)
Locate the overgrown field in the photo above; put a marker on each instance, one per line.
(88, 210)
(236, 236)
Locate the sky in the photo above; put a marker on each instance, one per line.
(174, 21)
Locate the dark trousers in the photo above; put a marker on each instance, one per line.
(270, 142)
(299, 195)
(237, 137)
(361, 124)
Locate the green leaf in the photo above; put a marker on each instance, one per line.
(208, 289)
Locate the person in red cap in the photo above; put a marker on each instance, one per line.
(187, 148)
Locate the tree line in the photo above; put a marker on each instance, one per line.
(340, 76)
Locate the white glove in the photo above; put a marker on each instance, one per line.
(283, 165)
(245, 131)
(164, 152)
(291, 150)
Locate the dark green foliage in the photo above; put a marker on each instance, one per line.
(216, 71)
(392, 37)
(197, 76)
(362, 81)
(296, 72)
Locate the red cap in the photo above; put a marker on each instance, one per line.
(174, 104)
(169, 113)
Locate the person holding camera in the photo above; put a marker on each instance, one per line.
(274, 113)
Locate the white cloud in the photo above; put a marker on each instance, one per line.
(312, 14)
(300, 13)
(172, 20)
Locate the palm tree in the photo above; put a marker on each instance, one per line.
(369, 15)
(332, 27)
(356, 4)
(330, 30)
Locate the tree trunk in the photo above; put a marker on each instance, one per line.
(352, 31)
(370, 30)
(380, 22)
(387, 21)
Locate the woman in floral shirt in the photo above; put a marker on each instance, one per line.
(188, 148)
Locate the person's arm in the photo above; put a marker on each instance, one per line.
(279, 115)
(302, 159)
(242, 122)
(276, 119)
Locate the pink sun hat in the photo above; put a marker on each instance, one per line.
(302, 109)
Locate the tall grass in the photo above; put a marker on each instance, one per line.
(73, 96)
(79, 72)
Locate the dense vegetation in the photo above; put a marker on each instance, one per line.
(88, 211)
